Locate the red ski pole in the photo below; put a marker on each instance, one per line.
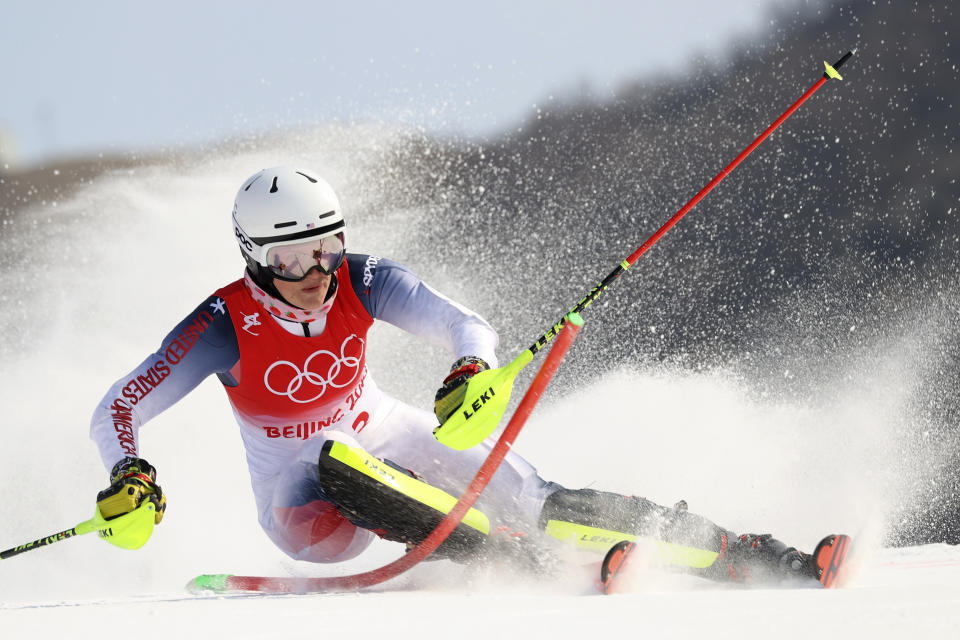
(465, 428)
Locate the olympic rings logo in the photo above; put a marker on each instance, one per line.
(340, 371)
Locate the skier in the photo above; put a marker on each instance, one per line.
(288, 341)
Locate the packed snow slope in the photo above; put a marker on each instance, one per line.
(92, 282)
(908, 592)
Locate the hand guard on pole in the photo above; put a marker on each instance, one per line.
(451, 395)
(132, 481)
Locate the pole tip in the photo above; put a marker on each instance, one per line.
(831, 71)
(216, 583)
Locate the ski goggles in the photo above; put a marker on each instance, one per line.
(294, 261)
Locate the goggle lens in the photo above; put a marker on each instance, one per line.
(295, 261)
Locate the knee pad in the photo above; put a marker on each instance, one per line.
(317, 532)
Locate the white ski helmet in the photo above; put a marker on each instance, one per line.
(288, 222)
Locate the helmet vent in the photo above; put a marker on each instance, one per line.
(307, 177)
(250, 184)
(273, 187)
(281, 225)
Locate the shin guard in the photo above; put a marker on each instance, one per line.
(393, 503)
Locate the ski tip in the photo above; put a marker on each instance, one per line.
(216, 583)
(613, 564)
(830, 558)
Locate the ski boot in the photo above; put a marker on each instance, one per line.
(763, 559)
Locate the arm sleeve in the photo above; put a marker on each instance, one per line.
(392, 293)
(203, 343)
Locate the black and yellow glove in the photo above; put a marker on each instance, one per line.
(132, 480)
(450, 396)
